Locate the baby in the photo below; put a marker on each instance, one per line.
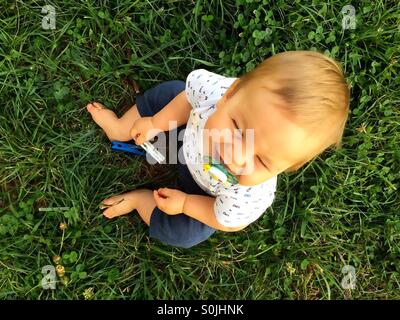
(291, 107)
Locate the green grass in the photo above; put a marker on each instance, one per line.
(341, 209)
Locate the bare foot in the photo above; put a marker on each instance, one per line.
(121, 204)
(105, 118)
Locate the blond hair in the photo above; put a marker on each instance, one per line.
(315, 92)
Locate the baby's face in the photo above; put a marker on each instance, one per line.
(278, 142)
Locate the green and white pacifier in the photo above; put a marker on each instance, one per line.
(218, 171)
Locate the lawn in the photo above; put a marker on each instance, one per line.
(341, 209)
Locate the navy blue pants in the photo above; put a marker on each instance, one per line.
(177, 230)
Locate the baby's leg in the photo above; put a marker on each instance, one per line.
(115, 129)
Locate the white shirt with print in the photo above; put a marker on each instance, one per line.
(235, 205)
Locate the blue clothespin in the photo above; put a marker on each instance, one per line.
(131, 148)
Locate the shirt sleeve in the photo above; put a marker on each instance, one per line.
(235, 210)
(202, 87)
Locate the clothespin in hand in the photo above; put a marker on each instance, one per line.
(131, 148)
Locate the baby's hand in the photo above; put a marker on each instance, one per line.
(170, 201)
(143, 130)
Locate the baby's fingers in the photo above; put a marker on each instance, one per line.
(161, 202)
(133, 133)
(164, 192)
(140, 139)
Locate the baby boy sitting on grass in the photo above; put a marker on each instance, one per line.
(295, 104)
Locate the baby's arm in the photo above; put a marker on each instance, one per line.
(202, 208)
(178, 109)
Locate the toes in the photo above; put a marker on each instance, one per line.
(94, 106)
(118, 210)
(98, 106)
(110, 213)
(109, 201)
(113, 212)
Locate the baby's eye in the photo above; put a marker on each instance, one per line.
(238, 131)
(235, 124)
(262, 163)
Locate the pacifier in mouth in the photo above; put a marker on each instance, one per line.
(218, 171)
